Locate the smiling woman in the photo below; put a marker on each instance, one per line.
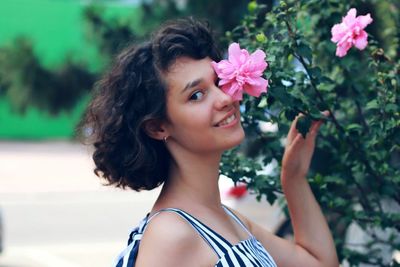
(201, 111)
(159, 118)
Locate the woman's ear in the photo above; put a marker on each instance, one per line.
(155, 129)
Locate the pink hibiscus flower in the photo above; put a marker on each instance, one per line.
(242, 72)
(350, 32)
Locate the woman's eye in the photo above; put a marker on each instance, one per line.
(196, 96)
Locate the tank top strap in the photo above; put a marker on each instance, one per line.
(219, 244)
(137, 232)
(229, 212)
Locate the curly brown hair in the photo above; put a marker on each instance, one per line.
(132, 93)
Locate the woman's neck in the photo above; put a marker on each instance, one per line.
(192, 182)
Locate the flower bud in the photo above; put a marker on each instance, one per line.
(261, 37)
(252, 6)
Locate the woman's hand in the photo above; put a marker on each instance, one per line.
(298, 150)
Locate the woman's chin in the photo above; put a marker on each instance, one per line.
(235, 139)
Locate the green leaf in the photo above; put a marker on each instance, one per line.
(305, 52)
(322, 106)
(290, 114)
(263, 103)
(325, 79)
(373, 104)
(354, 127)
(315, 113)
(391, 107)
(279, 92)
(271, 58)
(271, 197)
(315, 72)
(303, 125)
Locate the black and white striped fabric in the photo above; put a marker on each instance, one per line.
(249, 252)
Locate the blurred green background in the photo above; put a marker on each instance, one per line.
(56, 29)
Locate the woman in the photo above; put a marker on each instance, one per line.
(160, 118)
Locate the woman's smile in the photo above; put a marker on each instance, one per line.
(228, 121)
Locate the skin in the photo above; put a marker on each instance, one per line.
(196, 146)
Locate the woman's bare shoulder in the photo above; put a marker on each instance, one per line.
(168, 240)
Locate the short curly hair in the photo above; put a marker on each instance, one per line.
(132, 93)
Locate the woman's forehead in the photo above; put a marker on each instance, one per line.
(186, 70)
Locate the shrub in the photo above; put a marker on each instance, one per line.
(355, 172)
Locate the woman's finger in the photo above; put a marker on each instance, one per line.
(297, 142)
(315, 127)
(293, 131)
(317, 124)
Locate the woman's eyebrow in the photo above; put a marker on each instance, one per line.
(192, 84)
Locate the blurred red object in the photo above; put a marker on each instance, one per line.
(238, 191)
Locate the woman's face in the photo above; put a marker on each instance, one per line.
(202, 118)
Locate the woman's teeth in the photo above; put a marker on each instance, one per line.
(227, 120)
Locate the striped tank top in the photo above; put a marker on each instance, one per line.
(249, 252)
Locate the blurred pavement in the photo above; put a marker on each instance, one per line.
(56, 212)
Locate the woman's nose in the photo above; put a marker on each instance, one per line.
(223, 100)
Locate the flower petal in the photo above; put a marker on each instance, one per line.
(361, 40)
(257, 56)
(236, 55)
(363, 21)
(350, 18)
(341, 50)
(238, 96)
(338, 31)
(232, 89)
(259, 86)
(224, 69)
(216, 68)
(256, 64)
(223, 82)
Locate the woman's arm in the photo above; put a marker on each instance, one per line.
(313, 244)
(310, 228)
